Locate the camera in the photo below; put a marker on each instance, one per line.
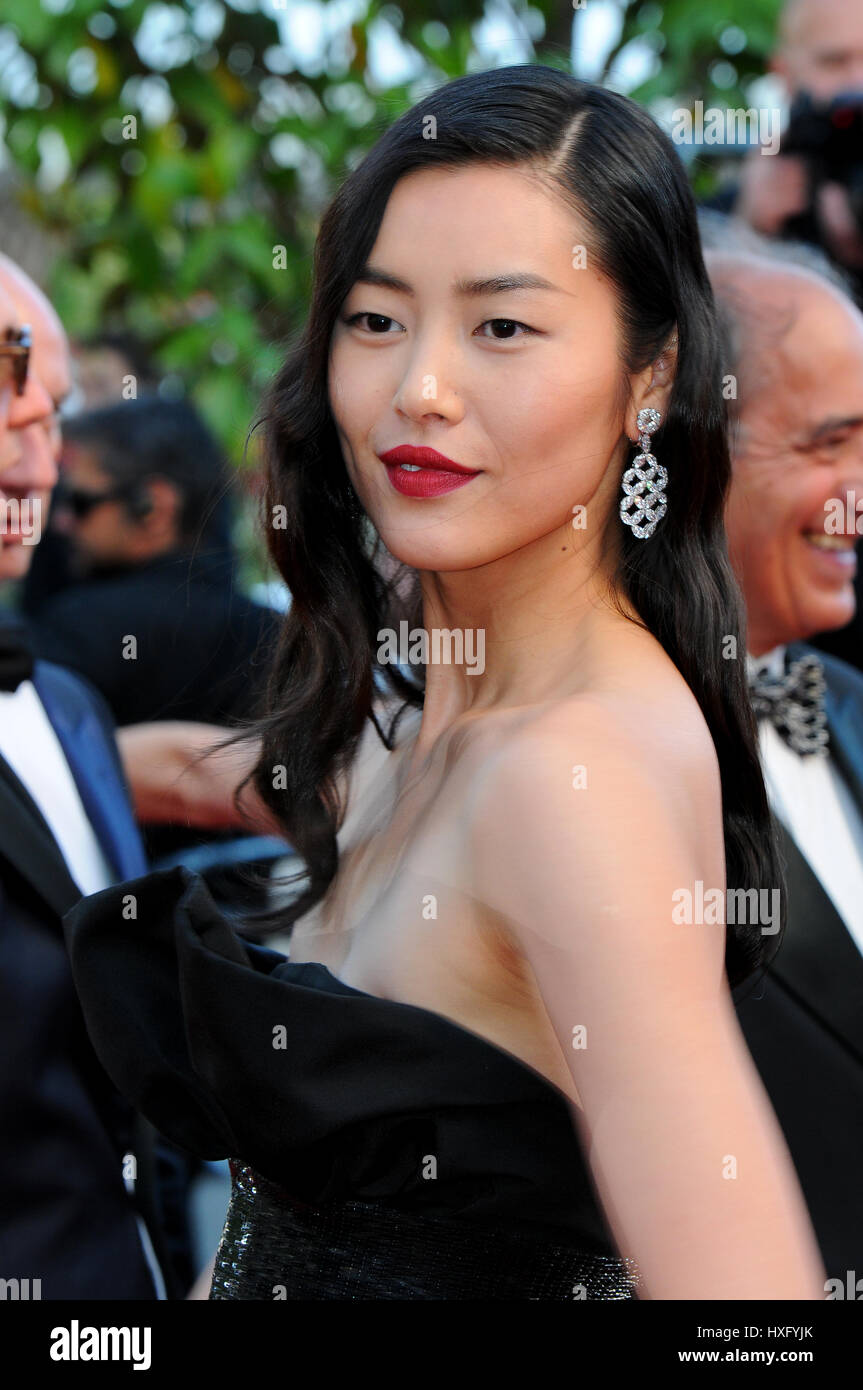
(828, 136)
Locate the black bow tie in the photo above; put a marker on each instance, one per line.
(16, 655)
(794, 703)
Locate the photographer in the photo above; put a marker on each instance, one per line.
(813, 189)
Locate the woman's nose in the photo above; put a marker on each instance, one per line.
(425, 393)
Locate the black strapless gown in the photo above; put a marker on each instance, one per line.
(378, 1149)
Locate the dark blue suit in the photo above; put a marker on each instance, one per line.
(65, 1215)
(803, 1023)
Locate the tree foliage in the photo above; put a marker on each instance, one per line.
(172, 149)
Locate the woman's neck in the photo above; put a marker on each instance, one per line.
(522, 635)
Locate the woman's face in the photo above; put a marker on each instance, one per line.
(519, 384)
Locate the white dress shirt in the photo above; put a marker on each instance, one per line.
(34, 752)
(812, 799)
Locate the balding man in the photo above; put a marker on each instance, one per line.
(69, 1217)
(794, 347)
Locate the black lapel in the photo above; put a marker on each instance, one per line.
(818, 959)
(27, 844)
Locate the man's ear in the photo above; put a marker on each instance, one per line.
(652, 387)
(166, 503)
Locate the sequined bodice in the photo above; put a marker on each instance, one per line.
(276, 1248)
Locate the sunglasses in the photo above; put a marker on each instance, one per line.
(15, 357)
(81, 503)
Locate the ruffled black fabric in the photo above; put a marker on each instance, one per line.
(369, 1100)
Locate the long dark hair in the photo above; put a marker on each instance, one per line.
(622, 177)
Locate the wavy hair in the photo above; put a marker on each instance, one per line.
(621, 176)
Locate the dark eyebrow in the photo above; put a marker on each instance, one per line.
(834, 423)
(470, 289)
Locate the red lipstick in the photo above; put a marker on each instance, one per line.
(428, 474)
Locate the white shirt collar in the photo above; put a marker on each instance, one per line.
(772, 662)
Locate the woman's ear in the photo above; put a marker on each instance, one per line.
(652, 387)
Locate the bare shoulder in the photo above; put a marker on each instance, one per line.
(597, 810)
(657, 747)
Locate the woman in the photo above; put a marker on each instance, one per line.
(496, 1064)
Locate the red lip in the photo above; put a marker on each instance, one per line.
(425, 457)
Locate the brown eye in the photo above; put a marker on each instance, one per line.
(508, 324)
(374, 319)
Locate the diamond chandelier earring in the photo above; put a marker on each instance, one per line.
(644, 502)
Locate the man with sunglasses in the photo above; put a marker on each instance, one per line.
(70, 1210)
(145, 501)
(82, 502)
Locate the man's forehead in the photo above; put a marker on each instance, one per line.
(792, 320)
(824, 344)
(801, 24)
(803, 403)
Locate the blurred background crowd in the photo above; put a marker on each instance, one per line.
(162, 170)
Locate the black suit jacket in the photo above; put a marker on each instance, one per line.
(66, 1217)
(803, 1022)
(203, 647)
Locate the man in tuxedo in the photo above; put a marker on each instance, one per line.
(794, 349)
(71, 1213)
